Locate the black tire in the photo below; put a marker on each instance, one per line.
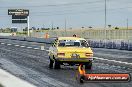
(88, 65)
(81, 79)
(51, 64)
(56, 65)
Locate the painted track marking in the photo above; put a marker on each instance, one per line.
(36, 48)
(9, 44)
(17, 45)
(2, 43)
(22, 46)
(29, 47)
(113, 61)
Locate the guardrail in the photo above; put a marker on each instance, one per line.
(111, 44)
(108, 44)
(30, 39)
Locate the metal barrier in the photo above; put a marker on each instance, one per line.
(130, 45)
(113, 39)
(30, 39)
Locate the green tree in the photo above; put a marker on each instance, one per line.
(116, 28)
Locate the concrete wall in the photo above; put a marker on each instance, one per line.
(95, 34)
(5, 34)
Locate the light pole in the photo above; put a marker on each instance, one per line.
(127, 23)
(52, 25)
(105, 15)
(127, 29)
(65, 28)
(28, 26)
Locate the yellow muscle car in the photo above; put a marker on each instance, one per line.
(70, 51)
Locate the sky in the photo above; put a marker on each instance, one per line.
(73, 13)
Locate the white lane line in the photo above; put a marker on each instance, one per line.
(42, 49)
(36, 48)
(47, 50)
(22, 46)
(44, 78)
(2, 43)
(8, 80)
(9, 44)
(17, 45)
(29, 47)
(113, 61)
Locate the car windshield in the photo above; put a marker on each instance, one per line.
(79, 43)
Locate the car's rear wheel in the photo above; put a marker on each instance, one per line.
(88, 65)
(51, 64)
(56, 65)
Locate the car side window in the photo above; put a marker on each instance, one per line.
(61, 43)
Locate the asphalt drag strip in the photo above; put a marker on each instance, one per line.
(32, 66)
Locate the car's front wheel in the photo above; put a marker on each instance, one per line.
(88, 65)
